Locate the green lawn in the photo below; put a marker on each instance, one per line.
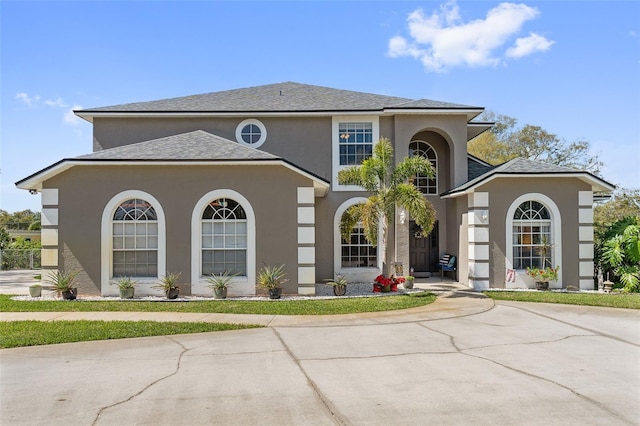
(31, 333)
(614, 300)
(229, 306)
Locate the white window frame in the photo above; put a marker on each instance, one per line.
(335, 145)
(241, 285)
(258, 123)
(522, 279)
(353, 274)
(144, 286)
(435, 168)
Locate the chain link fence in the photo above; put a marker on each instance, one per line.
(20, 259)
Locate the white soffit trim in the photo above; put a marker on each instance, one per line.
(35, 181)
(597, 184)
(89, 116)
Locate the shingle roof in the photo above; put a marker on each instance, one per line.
(280, 97)
(524, 166)
(476, 167)
(197, 145)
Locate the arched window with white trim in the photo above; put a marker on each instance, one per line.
(425, 184)
(532, 236)
(224, 238)
(135, 239)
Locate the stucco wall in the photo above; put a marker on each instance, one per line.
(84, 192)
(563, 192)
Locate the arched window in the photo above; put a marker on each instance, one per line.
(224, 238)
(357, 252)
(532, 236)
(135, 239)
(423, 183)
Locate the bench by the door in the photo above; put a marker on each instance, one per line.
(447, 262)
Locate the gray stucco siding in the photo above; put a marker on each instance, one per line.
(562, 191)
(85, 191)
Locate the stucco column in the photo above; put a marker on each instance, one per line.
(478, 242)
(49, 232)
(585, 235)
(306, 241)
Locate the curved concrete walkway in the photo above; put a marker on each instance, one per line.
(462, 360)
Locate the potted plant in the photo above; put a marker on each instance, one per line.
(126, 286)
(219, 284)
(542, 276)
(409, 280)
(382, 284)
(64, 284)
(35, 290)
(271, 278)
(169, 284)
(339, 284)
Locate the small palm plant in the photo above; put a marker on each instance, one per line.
(271, 278)
(126, 285)
(64, 283)
(169, 284)
(219, 283)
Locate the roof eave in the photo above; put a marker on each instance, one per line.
(597, 184)
(36, 180)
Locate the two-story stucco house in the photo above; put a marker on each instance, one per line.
(237, 179)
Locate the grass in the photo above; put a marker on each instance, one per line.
(229, 306)
(31, 333)
(614, 300)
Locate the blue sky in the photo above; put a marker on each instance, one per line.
(571, 67)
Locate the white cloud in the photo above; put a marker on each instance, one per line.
(26, 99)
(442, 40)
(71, 118)
(56, 103)
(527, 45)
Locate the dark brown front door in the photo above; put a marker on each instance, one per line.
(423, 250)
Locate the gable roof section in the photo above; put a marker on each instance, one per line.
(288, 97)
(522, 167)
(198, 147)
(476, 167)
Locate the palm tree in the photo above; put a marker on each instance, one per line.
(622, 254)
(390, 187)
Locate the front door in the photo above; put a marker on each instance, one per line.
(423, 250)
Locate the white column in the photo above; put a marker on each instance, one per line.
(306, 241)
(585, 237)
(478, 240)
(49, 232)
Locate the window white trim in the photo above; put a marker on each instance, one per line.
(106, 245)
(436, 168)
(353, 274)
(258, 123)
(522, 279)
(335, 145)
(240, 286)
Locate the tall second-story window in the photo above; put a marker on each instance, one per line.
(423, 149)
(356, 142)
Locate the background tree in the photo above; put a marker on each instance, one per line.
(621, 255)
(25, 219)
(390, 188)
(505, 141)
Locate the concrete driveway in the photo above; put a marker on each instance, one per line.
(513, 363)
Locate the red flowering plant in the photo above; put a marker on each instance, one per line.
(382, 281)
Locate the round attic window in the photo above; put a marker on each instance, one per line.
(251, 132)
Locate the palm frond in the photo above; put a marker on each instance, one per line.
(350, 218)
(350, 176)
(412, 166)
(411, 199)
